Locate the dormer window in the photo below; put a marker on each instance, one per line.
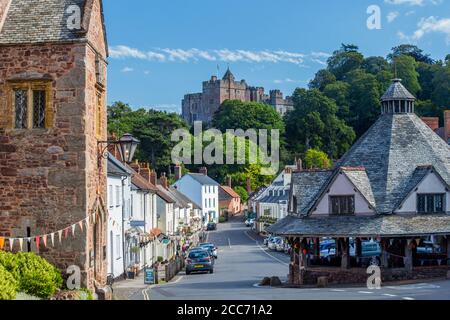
(430, 203)
(342, 205)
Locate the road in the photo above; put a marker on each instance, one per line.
(243, 262)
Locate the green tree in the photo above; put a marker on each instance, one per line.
(345, 60)
(314, 124)
(406, 69)
(375, 65)
(410, 50)
(317, 159)
(242, 193)
(441, 83)
(339, 92)
(364, 96)
(322, 79)
(153, 129)
(426, 108)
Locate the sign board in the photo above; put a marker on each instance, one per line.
(149, 276)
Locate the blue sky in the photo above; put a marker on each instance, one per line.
(162, 49)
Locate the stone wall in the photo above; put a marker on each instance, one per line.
(359, 275)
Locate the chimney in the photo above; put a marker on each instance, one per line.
(249, 185)
(447, 125)
(432, 122)
(178, 172)
(229, 182)
(163, 181)
(153, 177)
(135, 166)
(203, 170)
(299, 164)
(145, 172)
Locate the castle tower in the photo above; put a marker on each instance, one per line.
(52, 117)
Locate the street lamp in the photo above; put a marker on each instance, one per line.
(127, 147)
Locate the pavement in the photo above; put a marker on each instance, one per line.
(243, 262)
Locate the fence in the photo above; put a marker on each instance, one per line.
(171, 269)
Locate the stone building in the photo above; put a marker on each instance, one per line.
(202, 106)
(392, 187)
(52, 116)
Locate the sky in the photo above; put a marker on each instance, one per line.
(161, 50)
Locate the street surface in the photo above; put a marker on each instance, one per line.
(243, 262)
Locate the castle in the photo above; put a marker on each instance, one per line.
(202, 106)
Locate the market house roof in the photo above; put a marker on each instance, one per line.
(363, 226)
(397, 92)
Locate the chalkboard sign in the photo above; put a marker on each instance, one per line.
(149, 276)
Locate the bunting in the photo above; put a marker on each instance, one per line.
(37, 239)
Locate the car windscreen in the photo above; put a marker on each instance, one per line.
(198, 255)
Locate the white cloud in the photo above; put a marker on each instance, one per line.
(166, 107)
(225, 55)
(392, 16)
(432, 24)
(146, 72)
(127, 69)
(287, 80)
(413, 2)
(409, 13)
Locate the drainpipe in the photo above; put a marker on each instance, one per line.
(145, 225)
(124, 178)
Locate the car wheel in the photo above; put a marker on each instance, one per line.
(188, 273)
(211, 271)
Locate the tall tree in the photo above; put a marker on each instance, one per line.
(406, 70)
(412, 51)
(317, 159)
(345, 60)
(313, 124)
(441, 83)
(322, 79)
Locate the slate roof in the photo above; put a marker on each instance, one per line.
(228, 75)
(31, 21)
(397, 92)
(203, 180)
(275, 198)
(357, 226)
(391, 151)
(307, 187)
(361, 181)
(117, 168)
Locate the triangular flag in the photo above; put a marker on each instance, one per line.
(87, 222)
(2, 243)
(11, 243)
(44, 239)
(21, 244)
(38, 240)
(73, 230)
(66, 232)
(81, 225)
(52, 236)
(60, 235)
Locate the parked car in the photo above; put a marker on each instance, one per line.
(280, 247)
(249, 222)
(210, 247)
(267, 239)
(274, 242)
(370, 252)
(199, 261)
(211, 226)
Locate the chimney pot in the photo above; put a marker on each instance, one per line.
(229, 182)
(204, 171)
(153, 177)
(163, 181)
(178, 172)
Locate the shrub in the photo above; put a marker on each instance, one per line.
(8, 285)
(35, 275)
(222, 219)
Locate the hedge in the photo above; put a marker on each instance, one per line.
(8, 285)
(34, 275)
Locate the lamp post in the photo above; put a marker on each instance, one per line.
(127, 148)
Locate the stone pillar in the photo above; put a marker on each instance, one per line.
(358, 249)
(384, 257)
(317, 248)
(345, 253)
(447, 242)
(408, 256)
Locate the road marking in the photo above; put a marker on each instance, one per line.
(229, 243)
(145, 294)
(408, 298)
(389, 295)
(337, 290)
(176, 281)
(262, 249)
(365, 292)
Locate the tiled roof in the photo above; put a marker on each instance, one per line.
(361, 181)
(226, 192)
(203, 180)
(34, 21)
(397, 92)
(391, 151)
(165, 194)
(354, 226)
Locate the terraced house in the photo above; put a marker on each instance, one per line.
(52, 116)
(392, 186)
